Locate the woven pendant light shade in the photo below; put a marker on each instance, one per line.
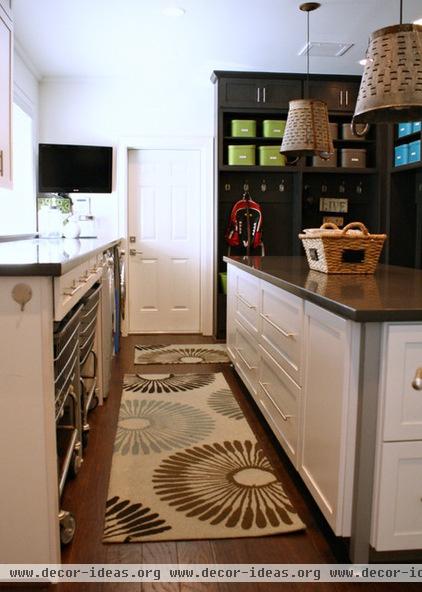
(307, 129)
(391, 86)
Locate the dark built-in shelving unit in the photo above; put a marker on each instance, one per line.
(290, 200)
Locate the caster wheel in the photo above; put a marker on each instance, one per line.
(67, 527)
(75, 465)
(85, 438)
(94, 403)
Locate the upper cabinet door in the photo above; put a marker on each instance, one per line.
(258, 93)
(7, 7)
(6, 51)
(339, 96)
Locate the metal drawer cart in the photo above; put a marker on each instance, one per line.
(88, 368)
(67, 408)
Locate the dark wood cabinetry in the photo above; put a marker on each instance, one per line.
(257, 92)
(339, 96)
(290, 195)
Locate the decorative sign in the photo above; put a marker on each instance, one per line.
(333, 204)
(338, 220)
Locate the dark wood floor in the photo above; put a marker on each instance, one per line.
(86, 496)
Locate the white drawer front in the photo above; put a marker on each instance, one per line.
(246, 358)
(278, 397)
(403, 403)
(247, 301)
(281, 328)
(398, 522)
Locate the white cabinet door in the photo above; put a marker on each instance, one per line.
(403, 404)
(6, 85)
(328, 415)
(398, 523)
(247, 361)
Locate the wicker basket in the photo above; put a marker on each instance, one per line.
(332, 250)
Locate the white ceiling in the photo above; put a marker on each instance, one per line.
(84, 38)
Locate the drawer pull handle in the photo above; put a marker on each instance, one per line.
(70, 291)
(266, 391)
(245, 302)
(242, 357)
(279, 329)
(417, 381)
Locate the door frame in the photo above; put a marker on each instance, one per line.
(205, 146)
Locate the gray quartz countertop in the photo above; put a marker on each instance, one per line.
(49, 256)
(392, 294)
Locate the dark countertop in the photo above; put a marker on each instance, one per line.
(391, 294)
(49, 256)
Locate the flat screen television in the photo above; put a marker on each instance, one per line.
(65, 168)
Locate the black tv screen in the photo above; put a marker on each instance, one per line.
(64, 168)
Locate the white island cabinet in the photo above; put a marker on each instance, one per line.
(40, 283)
(342, 399)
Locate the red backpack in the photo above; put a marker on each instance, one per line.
(245, 225)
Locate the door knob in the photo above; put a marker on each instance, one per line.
(133, 252)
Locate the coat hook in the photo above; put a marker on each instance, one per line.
(245, 186)
(263, 186)
(282, 187)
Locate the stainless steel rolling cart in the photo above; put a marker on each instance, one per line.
(67, 409)
(88, 372)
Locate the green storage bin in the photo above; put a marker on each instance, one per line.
(223, 281)
(243, 155)
(243, 128)
(273, 128)
(270, 156)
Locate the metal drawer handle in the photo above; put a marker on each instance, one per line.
(242, 357)
(1, 163)
(258, 95)
(263, 386)
(417, 381)
(282, 331)
(264, 92)
(70, 291)
(246, 303)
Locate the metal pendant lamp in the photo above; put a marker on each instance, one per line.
(307, 129)
(391, 86)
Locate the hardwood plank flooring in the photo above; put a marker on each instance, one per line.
(86, 496)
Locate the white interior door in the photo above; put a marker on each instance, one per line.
(164, 257)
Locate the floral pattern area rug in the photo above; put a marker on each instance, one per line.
(186, 465)
(213, 353)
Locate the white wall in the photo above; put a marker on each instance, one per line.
(18, 206)
(105, 110)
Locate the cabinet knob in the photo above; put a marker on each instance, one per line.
(417, 381)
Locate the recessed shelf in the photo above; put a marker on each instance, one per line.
(259, 169)
(299, 169)
(407, 167)
(406, 139)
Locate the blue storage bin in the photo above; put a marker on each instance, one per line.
(414, 154)
(401, 154)
(416, 126)
(405, 129)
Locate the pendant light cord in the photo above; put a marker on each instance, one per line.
(307, 56)
(401, 12)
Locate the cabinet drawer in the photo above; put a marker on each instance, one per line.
(246, 358)
(398, 524)
(247, 301)
(403, 404)
(281, 328)
(278, 397)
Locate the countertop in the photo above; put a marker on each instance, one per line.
(48, 256)
(392, 294)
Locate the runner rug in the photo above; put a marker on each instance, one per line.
(186, 465)
(205, 353)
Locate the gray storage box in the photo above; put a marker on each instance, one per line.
(347, 133)
(353, 158)
(334, 131)
(317, 161)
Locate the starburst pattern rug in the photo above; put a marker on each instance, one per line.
(186, 465)
(213, 353)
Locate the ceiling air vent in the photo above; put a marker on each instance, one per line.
(325, 49)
